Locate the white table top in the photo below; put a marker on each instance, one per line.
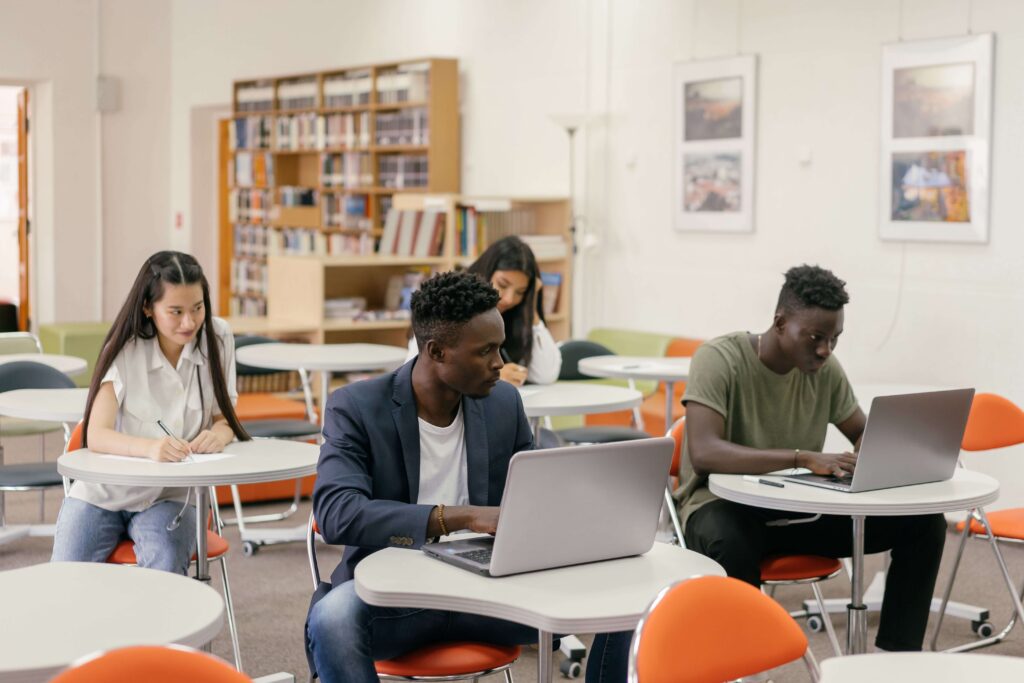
(591, 598)
(934, 667)
(255, 461)
(964, 491)
(566, 398)
(59, 405)
(55, 613)
(322, 357)
(69, 365)
(672, 369)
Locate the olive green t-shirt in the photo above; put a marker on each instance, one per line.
(762, 409)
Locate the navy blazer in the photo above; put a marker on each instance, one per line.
(368, 475)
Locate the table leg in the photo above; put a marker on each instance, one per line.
(325, 390)
(545, 657)
(857, 622)
(669, 392)
(202, 494)
(536, 431)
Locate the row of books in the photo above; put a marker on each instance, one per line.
(403, 170)
(348, 89)
(257, 96)
(551, 284)
(299, 131)
(469, 232)
(347, 130)
(249, 276)
(247, 306)
(297, 196)
(404, 127)
(311, 241)
(297, 94)
(250, 132)
(346, 211)
(252, 169)
(251, 241)
(346, 170)
(409, 83)
(248, 205)
(413, 233)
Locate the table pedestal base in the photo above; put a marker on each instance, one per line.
(545, 659)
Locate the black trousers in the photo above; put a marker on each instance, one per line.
(736, 537)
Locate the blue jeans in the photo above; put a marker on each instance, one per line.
(346, 636)
(87, 533)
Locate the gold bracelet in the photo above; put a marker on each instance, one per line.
(440, 519)
(796, 456)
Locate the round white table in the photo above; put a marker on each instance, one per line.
(252, 462)
(56, 613)
(566, 398)
(600, 597)
(964, 491)
(934, 667)
(69, 365)
(57, 405)
(665, 369)
(323, 358)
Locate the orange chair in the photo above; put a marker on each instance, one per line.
(776, 570)
(653, 408)
(710, 629)
(441, 661)
(216, 550)
(153, 664)
(994, 422)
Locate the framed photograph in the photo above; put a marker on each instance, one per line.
(713, 146)
(936, 139)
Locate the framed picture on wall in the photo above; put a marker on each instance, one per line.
(713, 146)
(936, 139)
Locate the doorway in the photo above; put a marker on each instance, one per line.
(14, 219)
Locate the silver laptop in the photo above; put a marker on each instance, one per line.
(909, 439)
(565, 506)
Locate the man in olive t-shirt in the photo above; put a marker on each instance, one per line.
(756, 403)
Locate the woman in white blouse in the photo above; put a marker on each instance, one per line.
(165, 358)
(530, 352)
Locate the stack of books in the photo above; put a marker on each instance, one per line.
(546, 247)
(344, 308)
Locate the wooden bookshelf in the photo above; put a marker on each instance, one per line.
(299, 285)
(310, 164)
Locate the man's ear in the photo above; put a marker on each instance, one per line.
(779, 323)
(434, 351)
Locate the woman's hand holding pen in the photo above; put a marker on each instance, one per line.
(207, 441)
(168, 449)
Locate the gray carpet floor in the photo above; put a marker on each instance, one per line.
(271, 589)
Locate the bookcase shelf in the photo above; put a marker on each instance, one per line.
(283, 138)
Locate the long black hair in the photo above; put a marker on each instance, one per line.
(164, 267)
(511, 253)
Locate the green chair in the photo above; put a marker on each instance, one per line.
(84, 340)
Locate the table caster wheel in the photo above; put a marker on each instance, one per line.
(983, 629)
(815, 623)
(570, 668)
(249, 548)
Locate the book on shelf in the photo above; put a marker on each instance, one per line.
(299, 93)
(546, 247)
(406, 83)
(413, 233)
(252, 169)
(346, 211)
(316, 242)
(248, 205)
(403, 127)
(250, 132)
(341, 308)
(552, 287)
(350, 129)
(346, 170)
(350, 89)
(254, 97)
(296, 132)
(403, 170)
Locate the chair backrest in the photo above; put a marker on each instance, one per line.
(153, 664)
(26, 374)
(994, 422)
(677, 431)
(624, 342)
(8, 317)
(683, 346)
(75, 440)
(19, 342)
(243, 370)
(575, 350)
(711, 629)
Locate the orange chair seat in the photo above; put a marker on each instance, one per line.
(261, 406)
(124, 553)
(1005, 524)
(449, 659)
(797, 567)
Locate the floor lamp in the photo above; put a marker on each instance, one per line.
(571, 123)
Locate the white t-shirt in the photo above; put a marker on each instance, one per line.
(148, 388)
(443, 471)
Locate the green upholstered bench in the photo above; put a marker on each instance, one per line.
(75, 339)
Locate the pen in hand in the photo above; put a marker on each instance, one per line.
(162, 426)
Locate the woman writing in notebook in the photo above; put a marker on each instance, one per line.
(529, 352)
(163, 389)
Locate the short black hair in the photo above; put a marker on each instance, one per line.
(446, 302)
(812, 286)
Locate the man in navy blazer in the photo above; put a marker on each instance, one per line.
(415, 454)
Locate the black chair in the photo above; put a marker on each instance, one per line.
(8, 317)
(573, 352)
(271, 429)
(30, 476)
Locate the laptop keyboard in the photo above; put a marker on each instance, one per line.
(482, 556)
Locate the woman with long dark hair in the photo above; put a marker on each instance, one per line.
(166, 363)
(530, 352)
